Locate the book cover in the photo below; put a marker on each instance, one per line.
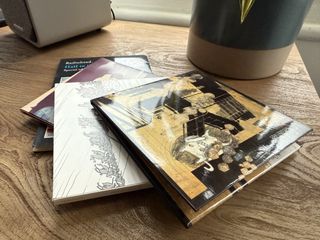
(42, 107)
(67, 67)
(197, 135)
(43, 140)
(103, 166)
(186, 214)
(70, 66)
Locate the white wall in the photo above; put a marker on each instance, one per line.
(173, 12)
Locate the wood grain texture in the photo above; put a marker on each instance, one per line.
(283, 204)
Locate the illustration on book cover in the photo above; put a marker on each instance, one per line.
(102, 167)
(201, 135)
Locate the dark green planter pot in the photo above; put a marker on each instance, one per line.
(244, 39)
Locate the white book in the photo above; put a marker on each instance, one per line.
(88, 160)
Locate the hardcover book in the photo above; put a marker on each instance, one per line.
(42, 107)
(67, 68)
(196, 139)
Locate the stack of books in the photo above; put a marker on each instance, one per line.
(117, 128)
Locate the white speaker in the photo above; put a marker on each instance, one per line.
(43, 22)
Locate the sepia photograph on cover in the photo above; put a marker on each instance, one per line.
(201, 135)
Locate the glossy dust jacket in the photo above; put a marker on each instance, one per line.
(196, 137)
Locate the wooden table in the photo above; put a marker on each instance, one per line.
(283, 204)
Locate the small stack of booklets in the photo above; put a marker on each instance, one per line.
(118, 128)
(88, 160)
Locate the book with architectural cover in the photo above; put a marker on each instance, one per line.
(68, 67)
(196, 138)
(102, 167)
(42, 107)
